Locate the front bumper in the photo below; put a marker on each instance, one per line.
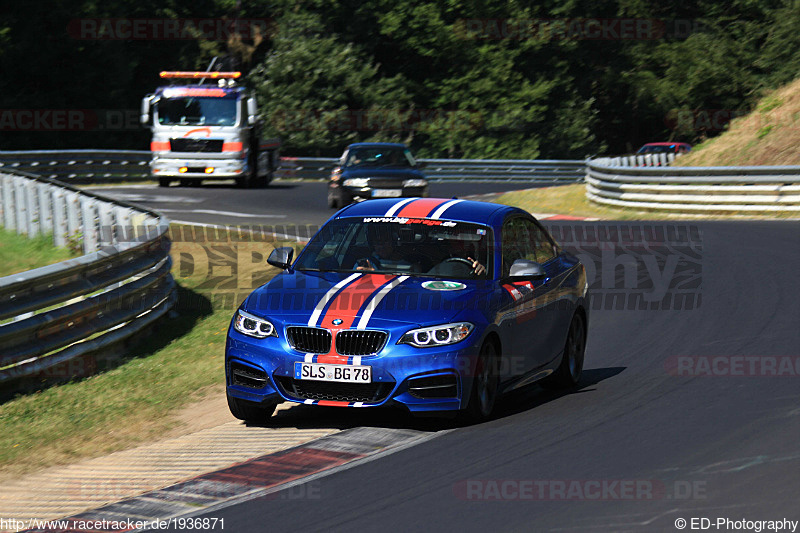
(224, 168)
(366, 193)
(420, 380)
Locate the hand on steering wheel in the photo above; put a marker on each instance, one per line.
(366, 263)
(476, 267)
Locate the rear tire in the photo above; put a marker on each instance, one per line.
(485, 385)
(250, 411)
(568, 373)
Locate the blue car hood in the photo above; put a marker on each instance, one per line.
(365, 299)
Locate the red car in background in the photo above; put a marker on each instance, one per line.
(664, 148)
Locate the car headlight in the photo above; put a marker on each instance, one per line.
(437, 335)
(252, 326)
(356, 182)
(415, 183)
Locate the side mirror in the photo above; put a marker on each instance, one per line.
(523, 268)
(252, 111)
(281, 257)
(144, 117)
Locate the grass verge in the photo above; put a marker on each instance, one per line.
(571, 200)
(138, 399)
(18, 253)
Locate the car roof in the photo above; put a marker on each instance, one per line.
(458, 210)
(376, 145)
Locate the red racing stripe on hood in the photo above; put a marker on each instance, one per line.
(421, 208)
(345, 307)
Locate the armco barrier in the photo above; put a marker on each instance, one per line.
(81, 165)
(96, 166)
(52, 315)
(518, 170)
(614, 181)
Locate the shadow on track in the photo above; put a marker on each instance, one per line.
(313, 417)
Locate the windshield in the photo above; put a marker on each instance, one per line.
(430, 248)
(391, 156)
(197, 111)
(657, 149)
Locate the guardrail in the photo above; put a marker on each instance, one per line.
(521, 170)
(613, 181)
(54, 314)
(81, 166)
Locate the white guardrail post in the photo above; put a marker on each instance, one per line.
(82, 306)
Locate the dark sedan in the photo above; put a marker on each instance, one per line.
(375, 170)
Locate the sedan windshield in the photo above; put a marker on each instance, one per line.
(431, 248)
(391, 156)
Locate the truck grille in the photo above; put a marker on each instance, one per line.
(309, 340)
(326, 390)
(195, 145)
(359, 342)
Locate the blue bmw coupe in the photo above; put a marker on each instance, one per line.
(432, 305)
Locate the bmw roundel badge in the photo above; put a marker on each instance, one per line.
(337, 321)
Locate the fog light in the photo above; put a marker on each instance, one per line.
(183, 169)
(209, 170)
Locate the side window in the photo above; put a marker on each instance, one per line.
(543, 246)
(516, 243)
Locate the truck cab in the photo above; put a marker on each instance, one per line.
(204, 131)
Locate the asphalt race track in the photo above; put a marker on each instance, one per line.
(283, 202)
(689, 407)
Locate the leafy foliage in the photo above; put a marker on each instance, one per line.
(454, 78)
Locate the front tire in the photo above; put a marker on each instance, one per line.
(252, 412)
(164, 182)
(568, 373)
(485, 385)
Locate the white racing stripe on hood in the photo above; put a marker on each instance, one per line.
(362, 323)
(396, 207)
(444, 207)
(312, 322)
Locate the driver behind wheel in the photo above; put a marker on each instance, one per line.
(461, 260)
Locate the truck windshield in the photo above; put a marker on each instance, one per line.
(194, 111)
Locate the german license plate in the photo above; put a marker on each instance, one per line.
(386, 193)
(325, 372)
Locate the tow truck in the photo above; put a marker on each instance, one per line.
(204, 131)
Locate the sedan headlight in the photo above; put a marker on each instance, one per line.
(356, 182)
(437, 335)
(252, 326)
(415, 183)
